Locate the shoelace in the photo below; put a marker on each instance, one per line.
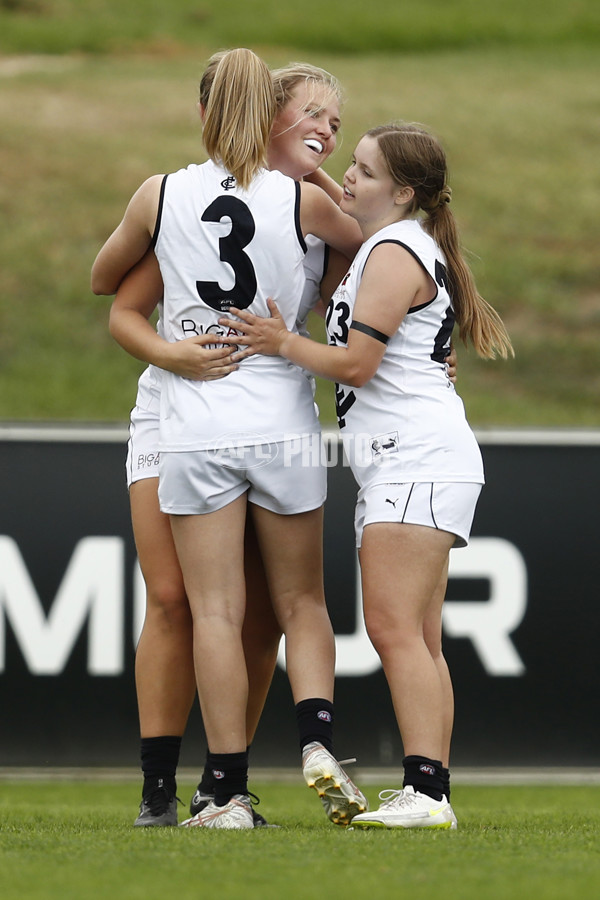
(158, 801)
(254, 800)
(393, 797)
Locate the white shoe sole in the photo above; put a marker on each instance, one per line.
(445, 826)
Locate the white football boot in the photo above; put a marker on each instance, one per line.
(237, 813)
(407, 808)
(340, 797)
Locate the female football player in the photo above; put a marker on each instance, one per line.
(202, 222)
(405, 433)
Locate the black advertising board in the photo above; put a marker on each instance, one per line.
(521, 620)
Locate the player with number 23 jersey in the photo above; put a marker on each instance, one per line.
(407, 424)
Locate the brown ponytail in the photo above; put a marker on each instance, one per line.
(415, 159)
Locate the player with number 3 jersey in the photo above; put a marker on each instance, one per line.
(210, 261)
(225, 232)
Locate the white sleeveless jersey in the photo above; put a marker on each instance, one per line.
(407, 423)
(315, 266)
(150, 381)
(219, 246)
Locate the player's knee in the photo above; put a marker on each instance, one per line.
(302, 607)
(386, 635)
(167, 601)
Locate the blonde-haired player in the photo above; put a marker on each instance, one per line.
(203, 221)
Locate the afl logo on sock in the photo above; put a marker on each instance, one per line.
(217, 773)
(426, 769)
(324, 715)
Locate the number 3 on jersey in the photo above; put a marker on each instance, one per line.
(231, 252)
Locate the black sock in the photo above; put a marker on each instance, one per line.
(230, 773)
(315, 722)
(446, 780)
(425, 775)
(160, 756)
(207, 782)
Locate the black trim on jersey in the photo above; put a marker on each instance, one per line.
(372, 332)
(297, 217)
(326, 251)
(161, 201)
(417, 259)
(414, 309)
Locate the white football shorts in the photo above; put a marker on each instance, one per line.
(143, 457)
(442, 505)
(284, 477)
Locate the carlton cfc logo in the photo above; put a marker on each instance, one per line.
(324, 715)
(228, 183)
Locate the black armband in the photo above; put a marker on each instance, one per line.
(372, 332)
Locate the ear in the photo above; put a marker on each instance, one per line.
(404, 195)
(201, 111)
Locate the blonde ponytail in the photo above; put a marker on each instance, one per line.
(239, 114)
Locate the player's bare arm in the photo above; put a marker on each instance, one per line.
(320, 216)
(196, 358)
(451, 364)
(353, 365)
(326, 183)
(391, 283)
(130, 240)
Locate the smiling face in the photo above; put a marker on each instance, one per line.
(304, 131)
(371, 196)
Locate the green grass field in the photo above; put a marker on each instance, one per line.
(342, 26)
(94, 97)
(73, 840)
